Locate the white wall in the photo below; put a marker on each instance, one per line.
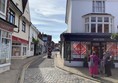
(79, 8)
(83, 7)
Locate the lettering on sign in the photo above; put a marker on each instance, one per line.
(98, 39)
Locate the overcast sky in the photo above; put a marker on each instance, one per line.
(49, 16)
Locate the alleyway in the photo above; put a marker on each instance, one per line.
(44, 71)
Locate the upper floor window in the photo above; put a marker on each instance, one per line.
(23, 26)
(98, 24)
(2, 6)
(99, 6)
(11, 16)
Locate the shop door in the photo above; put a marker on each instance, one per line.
(99, 48)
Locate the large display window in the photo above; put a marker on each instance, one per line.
(5, 47)
(112, 47)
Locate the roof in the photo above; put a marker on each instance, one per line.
(24, 2)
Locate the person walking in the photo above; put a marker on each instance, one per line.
(93, 65)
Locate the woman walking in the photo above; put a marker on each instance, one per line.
(93, 65)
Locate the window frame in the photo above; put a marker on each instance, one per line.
(1, 12)
(98, 6)
(24, 26)
(110, 24)
(11, 16)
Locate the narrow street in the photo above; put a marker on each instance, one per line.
(44, 71)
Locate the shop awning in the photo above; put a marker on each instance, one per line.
(92, 37)
(17, 39)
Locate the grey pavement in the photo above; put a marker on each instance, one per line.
(84, 72)
(45, 71)
(13, 75)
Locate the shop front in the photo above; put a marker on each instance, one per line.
(6, 30)
(77, 47)
(19, 48)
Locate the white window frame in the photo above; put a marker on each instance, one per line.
(109, 23)
(98, 8)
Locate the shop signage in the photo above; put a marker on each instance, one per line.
(98, 39)
(78, 48)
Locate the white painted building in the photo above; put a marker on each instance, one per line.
(33, 34)
(20, 38)
(90, 24)
(6, 30)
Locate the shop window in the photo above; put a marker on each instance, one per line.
(78, 50)
(23, 26)
(16, 50)
(67, 53)
(11, 16)
(5, 48)
(112, 48)
(24, 50)
(2, 6)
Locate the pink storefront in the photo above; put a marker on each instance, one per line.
(78, 46)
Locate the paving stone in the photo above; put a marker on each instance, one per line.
(44, 71)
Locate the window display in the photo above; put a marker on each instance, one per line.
(5, 50)
(16, 50)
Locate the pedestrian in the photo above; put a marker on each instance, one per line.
(108, 66)
(93, 65)
(102, 63)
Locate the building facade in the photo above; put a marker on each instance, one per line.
(91, 24)
(6, 30)
(20, 16)
(36, 45)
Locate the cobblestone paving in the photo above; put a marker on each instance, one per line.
(44, 71)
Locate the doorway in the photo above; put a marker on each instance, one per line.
(99, 48)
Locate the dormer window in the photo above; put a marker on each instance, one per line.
(99, 6)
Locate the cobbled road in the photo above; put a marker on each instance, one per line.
(43, 70)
